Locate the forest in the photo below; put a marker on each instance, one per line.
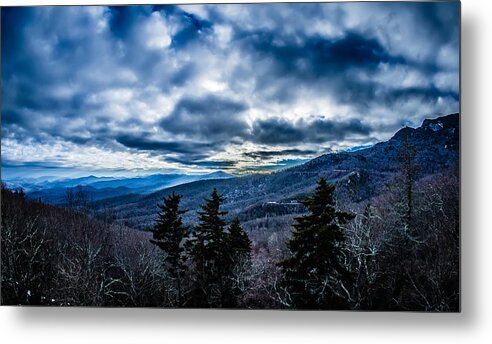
(398, 250)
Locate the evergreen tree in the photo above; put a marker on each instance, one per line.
(315, 274)
(238, 241)
(168, 234)
(239, 260)
(208, 252)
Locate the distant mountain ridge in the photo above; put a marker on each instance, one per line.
(54, 191)
(359, 175)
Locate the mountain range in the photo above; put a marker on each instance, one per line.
(53, 191)
(359, 175)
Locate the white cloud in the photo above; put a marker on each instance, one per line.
(157, 33)
(90, 77)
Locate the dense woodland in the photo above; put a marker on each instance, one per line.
(398, 250)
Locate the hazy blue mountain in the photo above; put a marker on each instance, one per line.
(54, 191)
(359, 175)
(44, 183)
(58, 195)
(70, 183)
(147, 182)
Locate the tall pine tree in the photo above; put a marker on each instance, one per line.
(239, 260)
(315, 274)
(207, 249)
(169, 234)
(238, 241)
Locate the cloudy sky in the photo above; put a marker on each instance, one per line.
(196, 88)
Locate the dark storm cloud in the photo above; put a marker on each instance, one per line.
(316, 60)
(12, 117)
(314, 57)
(213, 164)
(265, 154)
(187, 153)
(181, 147)
(334, 65)
(276, 130)
(438, 15)
(183, 74)
(191, 31)
(281, 131)
(423, 93)
(209, 117)
(29, 164)
(123, 18)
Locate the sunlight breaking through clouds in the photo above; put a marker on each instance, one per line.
(219, 87)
